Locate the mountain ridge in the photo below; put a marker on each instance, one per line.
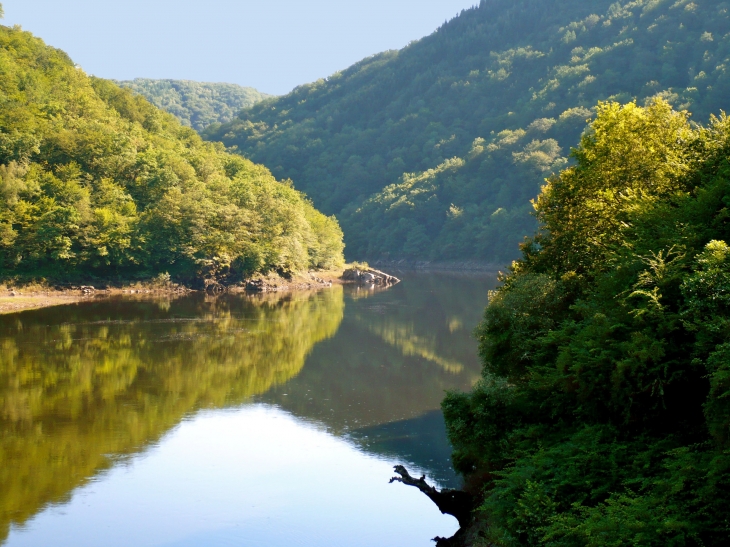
(433, 152)
(96, 182)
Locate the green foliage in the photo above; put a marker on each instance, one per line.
(196, 104)
(96, 181)
(434, 151)
(603, 414)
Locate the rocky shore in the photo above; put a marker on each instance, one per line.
(33, 296)
(368, 276)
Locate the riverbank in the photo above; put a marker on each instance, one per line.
(16, 297)
(21, 297)
(18, 300)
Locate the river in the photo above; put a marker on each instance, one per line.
(270, 420)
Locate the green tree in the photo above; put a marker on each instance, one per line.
(196, 104)
(97, 182)
(601, 417)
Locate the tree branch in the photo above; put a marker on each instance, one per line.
(450, 502)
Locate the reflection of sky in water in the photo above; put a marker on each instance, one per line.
(336, 388)
(250, 477)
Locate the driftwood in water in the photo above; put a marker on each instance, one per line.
(450, 502)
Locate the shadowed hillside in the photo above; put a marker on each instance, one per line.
(434, 151)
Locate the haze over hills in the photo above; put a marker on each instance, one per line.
(196, 104)
(435, 151)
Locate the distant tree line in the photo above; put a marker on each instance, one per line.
(196, 104)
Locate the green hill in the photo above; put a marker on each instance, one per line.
(434, 151)
(96, 181)
(196, 104)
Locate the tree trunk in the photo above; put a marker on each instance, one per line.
(456, 503)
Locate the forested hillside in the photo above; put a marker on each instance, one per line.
(96, 181)
(196, 104)
(603, 414)
(434, 151)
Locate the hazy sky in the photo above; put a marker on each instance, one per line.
(272, 45)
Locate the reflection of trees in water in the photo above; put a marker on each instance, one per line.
(80, 386)
(394, 355)
(382, 378)
(434, 318)
(404, 338)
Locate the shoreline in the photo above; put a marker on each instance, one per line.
(20, 297)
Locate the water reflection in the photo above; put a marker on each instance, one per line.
(421, 441)
(247, 478)
(85, 387)
(384, 370)
(82, 386)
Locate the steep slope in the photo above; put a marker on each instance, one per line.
(96, 181)
(196, 104)
(434, 151)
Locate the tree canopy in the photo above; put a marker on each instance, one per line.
(602, 415)
(435, 151)
(96, 181)
(196, 104)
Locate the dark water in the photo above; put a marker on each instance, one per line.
(233, 421)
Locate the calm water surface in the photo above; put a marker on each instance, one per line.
(270, 421)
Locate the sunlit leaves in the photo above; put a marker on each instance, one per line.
(612, 334)
(97, 181)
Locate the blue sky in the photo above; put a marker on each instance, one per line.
(271, 45)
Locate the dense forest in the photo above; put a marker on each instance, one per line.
(603, 414)
(96, 181)
(435, 151)
(195, 104)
